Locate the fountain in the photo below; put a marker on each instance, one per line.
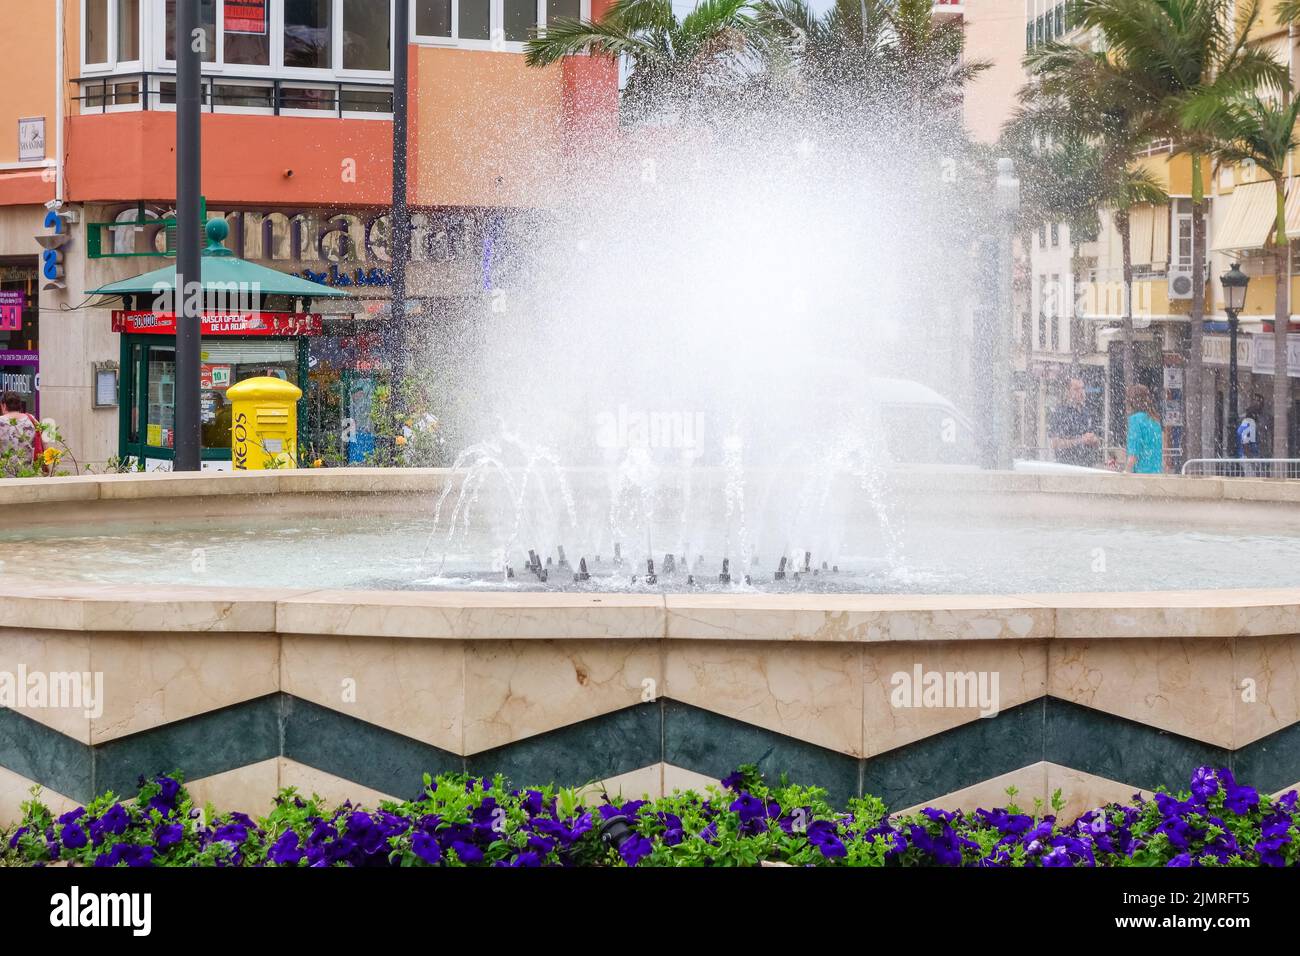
(725, 366)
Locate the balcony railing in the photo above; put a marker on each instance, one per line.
(157, 91)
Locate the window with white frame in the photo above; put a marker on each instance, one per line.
(489, 24)
(110, 35)
(291, 56)
(290, 37)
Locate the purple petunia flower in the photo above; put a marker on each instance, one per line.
(168, 835)
(128, 854)
(115, 820)
(635, 849)
(74, 837)
(822, 834)
(286, 851)
(426, 848)
(1204, 784)
(467, 852)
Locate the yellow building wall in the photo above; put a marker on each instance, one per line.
(27, 52)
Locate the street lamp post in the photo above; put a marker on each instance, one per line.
(1008, 197)
(190, 41)
(400, 221)
(1234, 300)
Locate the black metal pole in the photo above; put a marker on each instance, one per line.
(400, 244)
(189, 234)
(1232, 379)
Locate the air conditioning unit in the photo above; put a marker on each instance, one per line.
(1180, 283)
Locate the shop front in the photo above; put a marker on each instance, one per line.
(20, 366)
(256, 323)
(233, 348)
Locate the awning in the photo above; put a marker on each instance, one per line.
(1141, 223)
(1249, 220)
(1293, 210)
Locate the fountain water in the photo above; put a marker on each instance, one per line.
(698, 320)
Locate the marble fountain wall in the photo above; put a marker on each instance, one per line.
(355, 694)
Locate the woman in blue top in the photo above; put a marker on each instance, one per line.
(1146, 437)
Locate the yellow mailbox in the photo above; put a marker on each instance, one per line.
(264, 424)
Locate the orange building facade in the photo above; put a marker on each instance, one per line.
(297, 156)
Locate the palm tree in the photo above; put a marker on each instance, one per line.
(1261, 130)
(1084, 134)
(1168, 58)
(871, 54)
(1130, 185)
(674, 62)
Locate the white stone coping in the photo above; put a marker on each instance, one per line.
(343, 481)
(458, 615)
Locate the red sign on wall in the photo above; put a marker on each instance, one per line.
(238, 323)
(246, 16)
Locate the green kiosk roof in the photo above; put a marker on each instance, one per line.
(221, 270)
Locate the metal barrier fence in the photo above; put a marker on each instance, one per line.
(1242, 468)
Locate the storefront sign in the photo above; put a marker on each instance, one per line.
(11, 311)
(1216, 349)
(1264, 352)
(246, 16)
(315, 239)
(239, 323)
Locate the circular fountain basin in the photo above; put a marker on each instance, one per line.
(1097, 634)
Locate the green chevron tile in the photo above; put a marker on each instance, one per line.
(359, 751)
(42, 754)
(708, 743)
(957, 758)
(594, 749)
(1270, 763)
(200, 746)
(1121, 749)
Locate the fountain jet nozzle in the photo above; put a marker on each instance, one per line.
(582, 574)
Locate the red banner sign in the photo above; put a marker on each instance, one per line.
(246, 16)
(237, 323)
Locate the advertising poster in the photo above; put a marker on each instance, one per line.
(11, 311)
(20, 372)
(246, 16)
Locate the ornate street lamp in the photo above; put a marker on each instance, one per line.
(1234, 300)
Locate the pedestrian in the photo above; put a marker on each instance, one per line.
(1248, 436)
(20, 434)
(1146, 436)
(1073, 429)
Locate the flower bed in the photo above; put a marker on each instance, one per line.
(464, 821)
